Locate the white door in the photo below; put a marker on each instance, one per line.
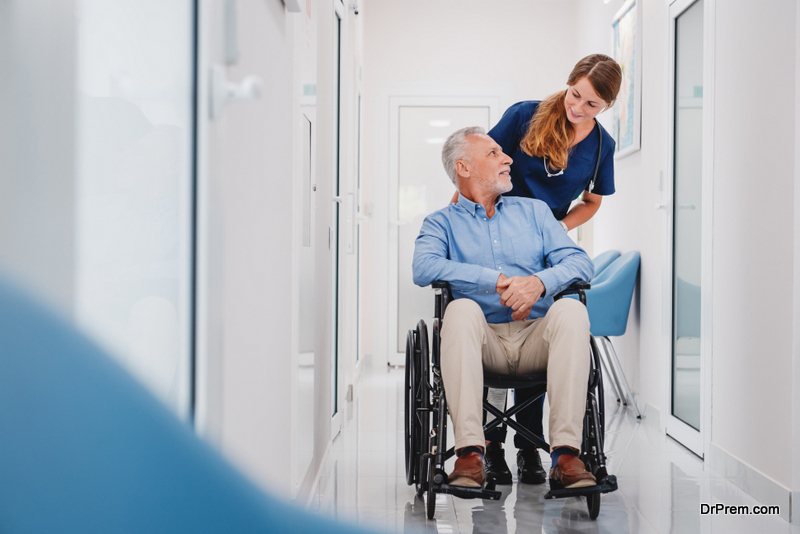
(690, 226)
(420, 186)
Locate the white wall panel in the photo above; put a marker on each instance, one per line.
(245, 249)
(753, 233)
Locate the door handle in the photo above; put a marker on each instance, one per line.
(224, 91)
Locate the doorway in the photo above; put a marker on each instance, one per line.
(689, 243)
(419, 186)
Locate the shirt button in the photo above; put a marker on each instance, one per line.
(484, 218)
(500, 267)
(495, 240)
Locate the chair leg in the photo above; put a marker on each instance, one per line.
(616, 370)
(608, 369)
(614, 361)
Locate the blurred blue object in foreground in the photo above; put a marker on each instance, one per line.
(85, 448)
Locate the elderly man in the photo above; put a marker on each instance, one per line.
(505, 258)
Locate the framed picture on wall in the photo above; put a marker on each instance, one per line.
(627, 30)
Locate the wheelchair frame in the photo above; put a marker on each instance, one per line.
(426, 416)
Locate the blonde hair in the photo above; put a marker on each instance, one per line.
(550, 133)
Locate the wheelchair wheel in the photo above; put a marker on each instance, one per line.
(593, 503)
(417, 406)
(431, 504)
(436, 460)
(412, 454)
(593, 429)
(423, 405)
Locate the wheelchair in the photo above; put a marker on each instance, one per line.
(425, 422)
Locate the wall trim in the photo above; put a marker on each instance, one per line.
(761, 487)
(651, 416)
(311, 499)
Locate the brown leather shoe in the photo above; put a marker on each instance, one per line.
(468, 472)
(571, 473)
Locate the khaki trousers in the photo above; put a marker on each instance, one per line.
(557, 342)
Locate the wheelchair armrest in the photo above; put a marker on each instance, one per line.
(576, 288)
(443, 297)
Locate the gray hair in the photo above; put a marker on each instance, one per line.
(455, 148)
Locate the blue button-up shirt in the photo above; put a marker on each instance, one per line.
(461, 245)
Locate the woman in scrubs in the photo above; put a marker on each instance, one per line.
(560, 153)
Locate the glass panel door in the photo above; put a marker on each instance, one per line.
(687, 215)
(134, 188)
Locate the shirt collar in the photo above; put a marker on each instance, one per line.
(471, 206)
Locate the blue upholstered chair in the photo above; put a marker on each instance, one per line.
(84, 448)
(608, 303)
(601, 261)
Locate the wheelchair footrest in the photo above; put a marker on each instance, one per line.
(469, 493)
(605, 485)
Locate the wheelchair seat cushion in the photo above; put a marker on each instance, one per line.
(501, 381)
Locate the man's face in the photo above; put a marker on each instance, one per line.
(489, 165)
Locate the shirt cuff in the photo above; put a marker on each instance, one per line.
(549, 281)
(487, 283)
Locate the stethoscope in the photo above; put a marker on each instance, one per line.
(599, 150)
(596, 164)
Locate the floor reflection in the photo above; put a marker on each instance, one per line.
(661, 484)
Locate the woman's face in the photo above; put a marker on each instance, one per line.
(582, 102)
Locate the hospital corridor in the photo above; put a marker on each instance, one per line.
(453, 266)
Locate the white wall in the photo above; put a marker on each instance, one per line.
(753, 226)
(449, 48)
(247, 300)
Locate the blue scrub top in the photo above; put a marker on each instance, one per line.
(528, 175)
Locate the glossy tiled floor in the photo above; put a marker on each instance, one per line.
(661, 485)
